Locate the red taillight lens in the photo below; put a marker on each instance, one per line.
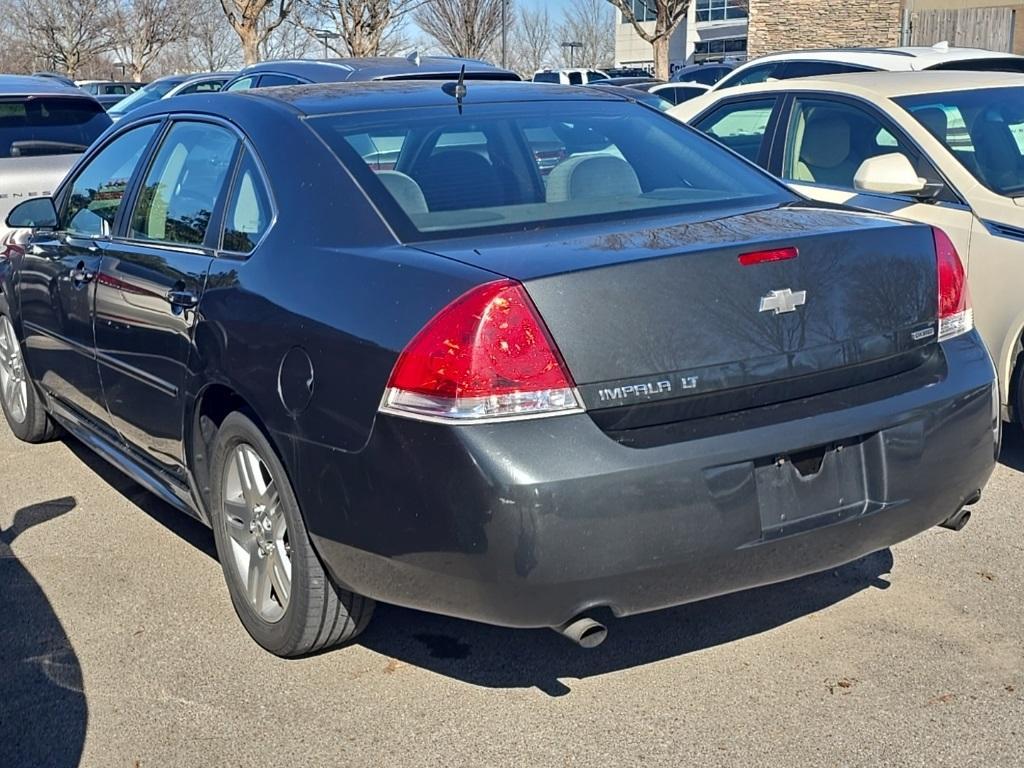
(485, 355)
(955, 313)
(775, 254)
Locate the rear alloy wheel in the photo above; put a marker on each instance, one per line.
(277, 584)
(22, 406)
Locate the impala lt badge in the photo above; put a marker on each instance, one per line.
(783, 301)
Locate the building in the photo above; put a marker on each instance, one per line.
(714, 29)
(739, 28)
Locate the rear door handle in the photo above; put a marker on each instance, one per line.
(182, 299)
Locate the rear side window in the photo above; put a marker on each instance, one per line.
(677, 94)
(248, 212)
(740, 125)
(96, 193)
(530, 165)
(270, 81)
(575, 78)
(49, 125)
(210, 86)
(546, 77)
(183, 184)
(818, 68)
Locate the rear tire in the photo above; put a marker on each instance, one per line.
(279, 588)
(20, 401)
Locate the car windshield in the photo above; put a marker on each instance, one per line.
(983, 128)
(441, 171)
(49, 125)
(151, 93)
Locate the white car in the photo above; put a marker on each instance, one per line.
(943, 148)
(572, 76)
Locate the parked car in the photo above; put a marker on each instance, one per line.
(652, 375)
(276, 73)
(833, 61)
(44, 126)
(108, 92)
(569, 76)
(944, 148)
(167, 87)
(708, 73)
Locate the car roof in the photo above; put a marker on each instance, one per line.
(371, 67)
(901, 58)
(27, 85)
(886, 84)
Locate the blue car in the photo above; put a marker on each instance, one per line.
(523, 354)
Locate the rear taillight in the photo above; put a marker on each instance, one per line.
(487, 355)
(955, 313)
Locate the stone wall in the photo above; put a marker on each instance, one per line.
(782, 25)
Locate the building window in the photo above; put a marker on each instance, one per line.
(719, 10)
(645, 10)
(719, 49)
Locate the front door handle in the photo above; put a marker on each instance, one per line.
(81, 275)
(182, 299)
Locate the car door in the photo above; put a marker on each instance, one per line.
(57, 284)
(743, 125)
(824, 141)
(151, 280)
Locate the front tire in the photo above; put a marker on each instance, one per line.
(23, 408)
(278, 586)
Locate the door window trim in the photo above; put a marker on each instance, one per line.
(220, 251)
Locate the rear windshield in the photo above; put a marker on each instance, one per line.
(435, 172)
(49, 125)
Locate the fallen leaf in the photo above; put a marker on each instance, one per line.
(987, 576)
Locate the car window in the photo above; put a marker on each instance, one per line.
(248, 213)
(183, 184)
(115, 90)
(546, 77)
(575, 78)
(602, 161)
(757, 73)
(208, 86)
(242, 84)
(270, 81)
(983, 128)
(707, 75)
(49, 125)
(740, 125)
(827, 141)
(677, 94)
(95, 195)
(380, 150)
(592, 76)
(816, 69)
(147, 95)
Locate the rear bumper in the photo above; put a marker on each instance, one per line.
(528, 524)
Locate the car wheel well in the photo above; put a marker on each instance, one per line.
(1013, 383)
(214, 405)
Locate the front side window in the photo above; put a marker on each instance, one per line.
(248, 211)
(531, 165)
(49, 125)
(183, 184)
(983, 129)
(827, 141)
(242, 84)
(740, 125)
(96, 193)
(208, 86)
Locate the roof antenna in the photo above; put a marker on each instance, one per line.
(413, 58)
(457, 89)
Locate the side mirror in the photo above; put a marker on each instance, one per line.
(890, 174)
(35, 213)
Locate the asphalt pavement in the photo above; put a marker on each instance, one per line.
(119, 647)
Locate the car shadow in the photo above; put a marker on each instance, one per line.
(43, 710)
(1011, 454)
(495, 657)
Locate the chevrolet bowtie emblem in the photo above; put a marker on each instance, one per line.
(783, 301)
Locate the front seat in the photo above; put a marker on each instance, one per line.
(825, 156)
(454, 179)
(586, 177)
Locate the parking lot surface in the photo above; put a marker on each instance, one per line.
(119, 647)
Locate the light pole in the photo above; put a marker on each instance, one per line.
(325, 35)
(504, 34)
(572, 52)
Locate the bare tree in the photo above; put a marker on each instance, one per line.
(254, 21)
(210, 45)
(592, 23)
(668, 15)
(532, 43)
(463, 27)
(65, 33)
(365, 27)
(144, 28)
(290, 40)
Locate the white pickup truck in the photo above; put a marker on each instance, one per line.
(44, 126)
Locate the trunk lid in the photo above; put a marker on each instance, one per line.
(661, 323)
